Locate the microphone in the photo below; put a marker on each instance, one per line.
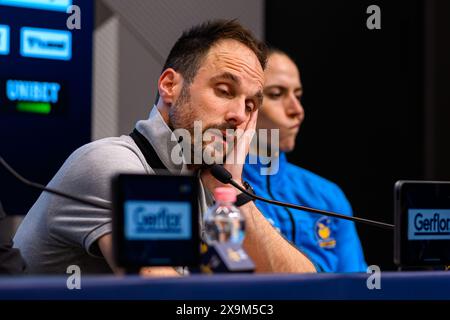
(224, 176)
(221, 174)
(50, 190)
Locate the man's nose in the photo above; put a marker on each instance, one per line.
(236, 114)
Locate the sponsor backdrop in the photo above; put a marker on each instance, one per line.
(45, 91)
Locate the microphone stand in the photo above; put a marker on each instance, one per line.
(221, 174)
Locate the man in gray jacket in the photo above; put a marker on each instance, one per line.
(213, 74)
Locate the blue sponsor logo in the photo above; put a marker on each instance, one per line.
(4, 39)
(429, 224)
(18, 90)
(156, 220)
(54, 5)
(45, 43)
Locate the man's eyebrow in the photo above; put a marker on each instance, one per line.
(227, 76)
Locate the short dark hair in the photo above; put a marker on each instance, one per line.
(193, 45)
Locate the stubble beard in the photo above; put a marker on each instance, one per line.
(182, 116)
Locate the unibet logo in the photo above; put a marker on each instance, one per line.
(428, 224)
(17, 90)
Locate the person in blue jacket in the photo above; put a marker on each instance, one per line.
(331, 243)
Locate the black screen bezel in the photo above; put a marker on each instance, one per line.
(187, 252)
(418, 195)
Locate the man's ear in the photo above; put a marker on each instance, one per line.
(170, 84)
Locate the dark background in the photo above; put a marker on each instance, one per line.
(377, 108)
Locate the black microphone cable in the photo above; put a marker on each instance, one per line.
(50, 190)
(222, 174)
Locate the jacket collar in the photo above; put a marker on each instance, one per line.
(162, 139)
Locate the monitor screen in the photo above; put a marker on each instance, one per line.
(156, 220)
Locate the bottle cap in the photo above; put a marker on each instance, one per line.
(225, 194)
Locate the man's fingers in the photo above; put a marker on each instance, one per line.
(251, 125)
(251, 130)
(242, 141)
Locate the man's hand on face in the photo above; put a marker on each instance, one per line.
(236, 159)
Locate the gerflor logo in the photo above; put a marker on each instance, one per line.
(162, 220)
(428, 224)
(147, 220)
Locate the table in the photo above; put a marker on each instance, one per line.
(325, 286)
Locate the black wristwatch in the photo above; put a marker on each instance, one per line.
(243, 198)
